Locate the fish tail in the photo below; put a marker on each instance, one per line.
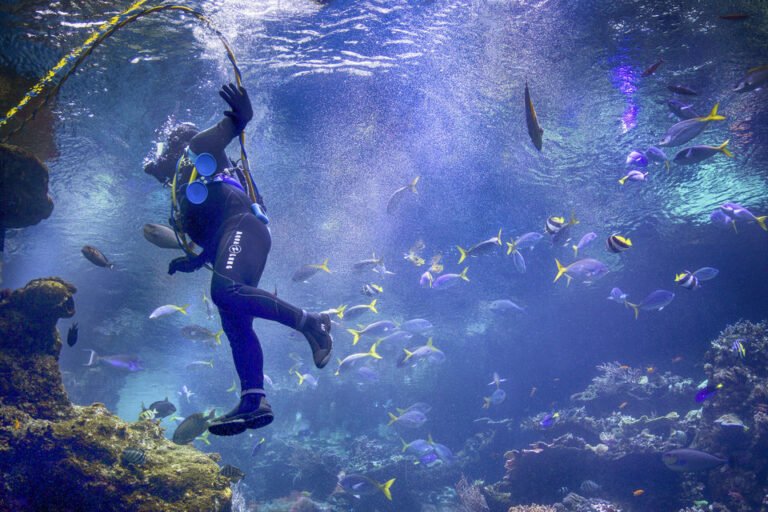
(624, 179)
(462, 254)
(666, 164)
(498, 237)
(300, 376)
(463, 274)
(405, 445)
(761, 221)
(372, 306)
(324, 266)
(713, 115)
(408, 354)
(218, 337)
(633, 306)
(511, 247)
(111, 266)
(355, 336)
(183, 309)
(209, 363)
(372, 352)
(722, 147)
(412, 185)
(486, 402)
(93, 357)
(385, 488)
(573, 220)
(561, 270)
(392, 418)
(575, 251)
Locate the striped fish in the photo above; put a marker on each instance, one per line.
(617, 243)
(134, 456)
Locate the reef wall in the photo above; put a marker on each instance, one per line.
(58, 457)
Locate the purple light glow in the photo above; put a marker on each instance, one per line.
(623, 78)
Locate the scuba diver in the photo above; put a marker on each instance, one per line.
(217, 214)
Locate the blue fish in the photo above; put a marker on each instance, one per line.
(696, 154)
(549, 419)
(585, 240)
(618, 296)
(655, 301)
(657, 155)
(449, 280)
(637, 159)
(122, 362)
(737, 212)
(497, 397)
(708, 392)
(587, 270)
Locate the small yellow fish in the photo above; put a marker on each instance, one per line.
(436, 267)
(414, 258)
(16, 424)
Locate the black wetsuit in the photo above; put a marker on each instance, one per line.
(237, 243)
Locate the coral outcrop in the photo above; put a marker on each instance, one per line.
(58, 457)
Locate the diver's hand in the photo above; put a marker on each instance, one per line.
(237, 99)
(184, 264)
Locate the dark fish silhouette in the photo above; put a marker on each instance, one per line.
(648, 72)
(134, 456)
(232, 472)
(734, 16)
(193, 426)
(681, 89)
(535, 131)
(96, 257)
(72, 335)
(163, 408)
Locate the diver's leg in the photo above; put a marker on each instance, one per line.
(240, 259)
(253, 411)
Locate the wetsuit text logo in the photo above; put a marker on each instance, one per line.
(234, 250)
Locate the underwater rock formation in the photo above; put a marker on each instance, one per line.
(734, 422)
(625, 454)
(58, 457)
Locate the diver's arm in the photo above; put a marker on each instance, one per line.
(216, 138)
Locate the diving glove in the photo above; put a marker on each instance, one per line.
(186, 265)
(237, 99)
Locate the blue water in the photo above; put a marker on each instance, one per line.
(352, 101)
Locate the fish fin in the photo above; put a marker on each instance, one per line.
(624, 179)
(429, 343)
(561, 270)
(722, 147)
(462, 254)
(573, 221)
(412, 185)
(633, 306)
(385, 488)
(340, 311)
(405, 445)
(463, 274)
(575, 251)
(408, 354)
(760, 220)
(183, 309)
(218, 337)
(392, 418)
(372, 306)
(372, 352)
(498, 237)
(324, 266)
(355, 336)
(666, 164)
(712, 116)
(300, 376)
(758, 68)
(511, 247)
(486, 402)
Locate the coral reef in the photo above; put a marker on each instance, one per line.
(744, 395)
(471, 497)
(531, 508)
(55, 456)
